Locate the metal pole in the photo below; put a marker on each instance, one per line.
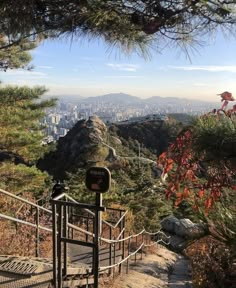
(127, 267)
(65, 235)
(54, 241)
(59, 247)
(123, 242)
(114, 258)
(72, 221)
(87, 227)
(142, 248)
(110, 249)
(37, 232)
(97, 231)
(120, 228)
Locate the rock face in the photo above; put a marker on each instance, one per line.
(80, 146)
(184, 228)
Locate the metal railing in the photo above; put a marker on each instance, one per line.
(118, 243)
(36, 223)
(63, 231)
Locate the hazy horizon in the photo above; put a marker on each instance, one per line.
(89, 69)
(117, 93)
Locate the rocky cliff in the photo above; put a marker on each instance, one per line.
(79, 148)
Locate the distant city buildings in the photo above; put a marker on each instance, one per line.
(63, 117)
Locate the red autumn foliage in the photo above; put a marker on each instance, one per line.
(191, 174)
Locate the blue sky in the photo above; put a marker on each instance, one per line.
(90, 68)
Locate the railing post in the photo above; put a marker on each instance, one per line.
(71, 221)
(37, 232)
(87, 227)
(110, 249)
(120, 226)
(135, 256)
(54, 241)
(97, 232)
(59, 247)
(121, 244)
(127, 266)
(65, 235)
(142, 248)
(114, 257)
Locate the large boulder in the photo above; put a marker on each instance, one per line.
(170, 223)
(184, 228)
(190, 230)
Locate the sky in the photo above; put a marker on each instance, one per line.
(91, 68)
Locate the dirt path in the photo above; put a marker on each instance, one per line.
(180, 277)
(159, 269)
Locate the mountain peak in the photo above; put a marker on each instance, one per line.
(115, 98)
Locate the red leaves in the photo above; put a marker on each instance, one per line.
(226, 96)
(191, 175)
(165, 162)
(208, 204)
(186, 193)
(181, 196)
(178, 201)
(201, 194)
(169, 165)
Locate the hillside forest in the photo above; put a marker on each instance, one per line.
(199, 159)
(158, 168)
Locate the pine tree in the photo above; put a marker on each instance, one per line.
(20, 112)
(17, 55)
(21, 134)
(126, 23)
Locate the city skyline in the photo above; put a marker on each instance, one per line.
(90, 68)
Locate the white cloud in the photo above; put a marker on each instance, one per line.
(208, 68)
(25, 73)
(85, 58)
(123, 76)
(123, 67)
(201, 84)
(45, 67)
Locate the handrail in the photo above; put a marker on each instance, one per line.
(25, 201)
(111, 242)
(24, 222)
(123, 260)
(71, 225)
(121, 232)
(118, 222)
(63, 214)
(131, 254)
(89, 211)
(158, 241)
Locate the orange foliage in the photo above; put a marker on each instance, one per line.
(187, 175)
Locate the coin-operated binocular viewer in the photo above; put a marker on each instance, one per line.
(98, 180)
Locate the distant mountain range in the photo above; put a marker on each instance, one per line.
(124, 98)
(115, 98)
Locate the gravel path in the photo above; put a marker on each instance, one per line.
(180, 277)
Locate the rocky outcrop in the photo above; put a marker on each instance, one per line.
(184, 228)
(76, 149)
